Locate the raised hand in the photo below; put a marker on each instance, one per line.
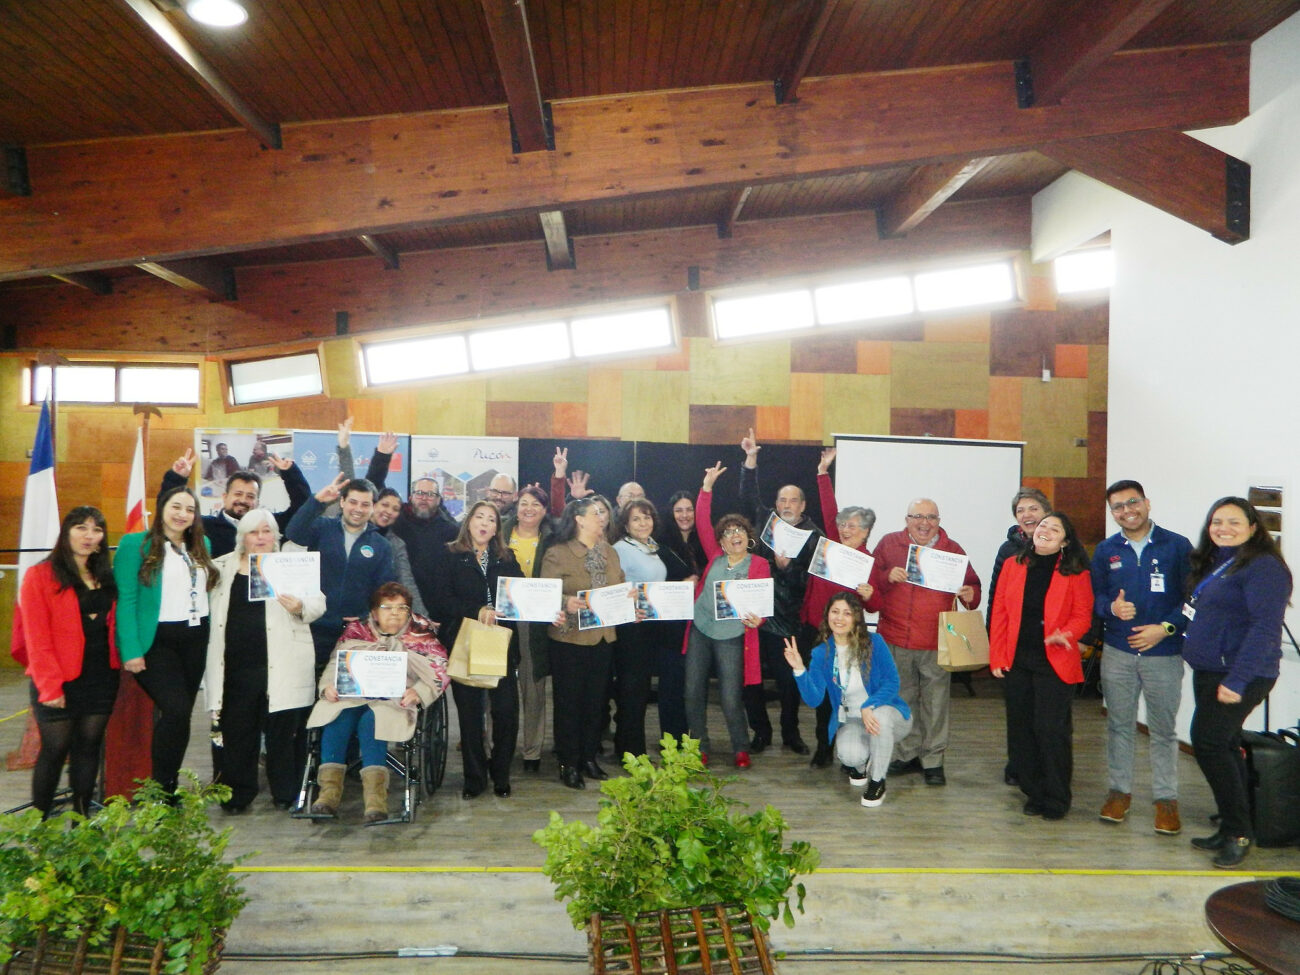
(828, 455)
(281, 463)
(345, 432)
(183, 464)
(751, 448)
(387, 442)
(561, 461)
(792, 655)
(711, 474)
(578, 485)
(330, 492)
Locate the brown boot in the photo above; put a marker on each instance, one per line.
(1167, 821)
(330, 779)
(374, 785)
(1115, 808)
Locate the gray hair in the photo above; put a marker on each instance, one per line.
(253, 520)
(865, 516)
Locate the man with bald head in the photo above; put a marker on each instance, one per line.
(631, 491)
(909, 623)
(503, 492)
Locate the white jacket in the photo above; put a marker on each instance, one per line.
(290, 653)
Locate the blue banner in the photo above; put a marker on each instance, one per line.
(316, 452)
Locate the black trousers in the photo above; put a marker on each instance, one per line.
(1216, 742)
(1040, 732)
(578, 678)
(245, 718)
(471, 705)
(672, 678)
(173, 670)
(771, 650)
(633, 659)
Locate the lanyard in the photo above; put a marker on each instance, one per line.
(194, 583)
(1208, 579)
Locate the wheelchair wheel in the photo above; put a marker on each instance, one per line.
(434, 757)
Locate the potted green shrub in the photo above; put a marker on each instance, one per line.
(672, 868)
(134, 887)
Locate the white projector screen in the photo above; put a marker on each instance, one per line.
(972, 482)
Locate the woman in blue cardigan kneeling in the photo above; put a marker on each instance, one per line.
(855, 667)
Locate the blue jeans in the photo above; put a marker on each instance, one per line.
(1124, 677)
(702, 654)
(356, 721)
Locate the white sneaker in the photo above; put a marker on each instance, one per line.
(858, 778)
(875, 793)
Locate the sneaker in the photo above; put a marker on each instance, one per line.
(875, 793)
(1167, 821)
(742, 759)
(858, 778)
(1115, 808)
(1234, 851)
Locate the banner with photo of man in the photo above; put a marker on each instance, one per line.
(220, 453)
(463, 467)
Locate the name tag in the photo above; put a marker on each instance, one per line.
(1188, 611)
(1157, 582)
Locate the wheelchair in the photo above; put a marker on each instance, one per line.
(419, 763)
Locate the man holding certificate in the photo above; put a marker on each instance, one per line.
(916, 574)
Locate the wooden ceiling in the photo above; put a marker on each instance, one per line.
(137, 141)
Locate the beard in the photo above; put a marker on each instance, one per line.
(424, 514)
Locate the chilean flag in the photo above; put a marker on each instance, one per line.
(40, 528)
(137, 519)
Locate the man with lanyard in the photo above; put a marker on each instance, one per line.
(909, 623)
(1138, 577)
(789, 581)
(355, 558)
(242, 492)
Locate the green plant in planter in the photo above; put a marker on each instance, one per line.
(156, 869)
(667, 837)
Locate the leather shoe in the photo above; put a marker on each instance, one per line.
(822, 757)
(899, 767)
(593, 771)
(572, 777)
(1213, 842)
(532, 764)
(935, 776)
(1032, 808)
(501, 791)
(795, 745)
(759, 742)
(468, 793)
(1234, 851)
(283, 805)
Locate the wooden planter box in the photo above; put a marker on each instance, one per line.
(124, 955)
(719, 939)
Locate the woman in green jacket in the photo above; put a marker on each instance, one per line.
(163, 578)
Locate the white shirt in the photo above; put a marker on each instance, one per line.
(180, 600)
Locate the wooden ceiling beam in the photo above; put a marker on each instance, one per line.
(1171, 171)
(386, 253)
(1096, 30)
(787, 85)
(99, 284)
(174, 44)
(559, 245)
(507, 22)
(731, 212)
(201, 275)
(924, 192)
(102, 204)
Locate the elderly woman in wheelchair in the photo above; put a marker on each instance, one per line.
(343, 714)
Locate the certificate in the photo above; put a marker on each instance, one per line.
(529, 600)
(608, 606)
(928, 567)
(783, 538)
(371, 673)
(271, 574)
(735, 599)
(840, 564)
(665, 600)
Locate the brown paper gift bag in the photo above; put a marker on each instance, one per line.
(963, 641)
(479, 658)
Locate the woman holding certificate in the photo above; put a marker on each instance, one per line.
(580, 657)
(467, 585)
(374, 721)
(261, 672)
(163, 579)
(729, 645)
(1042, 607)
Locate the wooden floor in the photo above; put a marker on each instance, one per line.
(938, 878)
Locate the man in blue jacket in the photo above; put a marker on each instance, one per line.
(355, 557)
(1138, 583)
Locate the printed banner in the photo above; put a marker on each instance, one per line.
(317, 454)
(463, 467)
(219, 453)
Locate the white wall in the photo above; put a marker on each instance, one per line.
(1205, 337)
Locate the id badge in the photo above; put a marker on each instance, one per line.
(1189, 611)
(1157, 582)
(844, 714)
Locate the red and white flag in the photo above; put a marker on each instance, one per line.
(137, 519)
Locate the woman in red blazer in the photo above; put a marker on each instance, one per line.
(63, 636)
(1042, 607)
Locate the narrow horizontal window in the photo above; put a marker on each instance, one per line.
(634, 331)
(760, 314)
(857, 301)
(159, 384)
(1090, 270)
(111, 383)
(983, 284)
(407, 360)
(526, 345)
(282, 377)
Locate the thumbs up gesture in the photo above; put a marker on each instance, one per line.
(1122, 608)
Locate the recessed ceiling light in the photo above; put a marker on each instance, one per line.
(216, 13)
